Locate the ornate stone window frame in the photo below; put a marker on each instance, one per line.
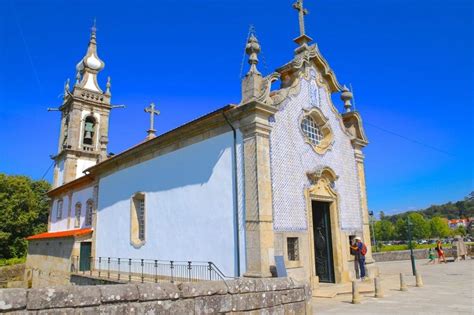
(77, 214)
(59, 209)
(89, 212)
(323, 124)
(135, 239)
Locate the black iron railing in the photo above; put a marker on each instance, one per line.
(146, 270)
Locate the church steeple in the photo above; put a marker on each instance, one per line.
(85, 119)
(90, 65)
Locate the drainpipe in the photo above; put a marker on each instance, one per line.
(236, 192)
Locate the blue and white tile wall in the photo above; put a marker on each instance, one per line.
(292, 158)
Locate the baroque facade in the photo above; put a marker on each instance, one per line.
(279, 176)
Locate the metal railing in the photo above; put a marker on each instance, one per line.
(146, 270)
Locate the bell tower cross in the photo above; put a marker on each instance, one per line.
(151, 109)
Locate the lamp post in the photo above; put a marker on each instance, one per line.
(371, 214)
(410, 226)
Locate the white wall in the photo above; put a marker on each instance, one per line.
(82, 165)
(59, 224)
(189, 199)
(81, 196)
(60, 168)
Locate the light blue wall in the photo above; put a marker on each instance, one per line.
(189, 206)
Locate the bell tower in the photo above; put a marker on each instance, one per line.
(84, 119)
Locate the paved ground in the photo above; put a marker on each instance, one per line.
(448, 289)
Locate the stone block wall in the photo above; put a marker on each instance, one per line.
(242, 296)
(12, 276)
(405, 254)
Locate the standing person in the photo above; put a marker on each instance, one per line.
(431, 257)
(361, 249)
(355, 253)
(439, 250)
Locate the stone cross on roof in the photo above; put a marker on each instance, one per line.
(303, 38)
(151, 109)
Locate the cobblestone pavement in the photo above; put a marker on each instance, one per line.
(448, 289)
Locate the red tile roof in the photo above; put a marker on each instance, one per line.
(60, 234)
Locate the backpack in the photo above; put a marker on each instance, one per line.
(363, 250)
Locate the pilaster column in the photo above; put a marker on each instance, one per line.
(359, 156)
(258, 189)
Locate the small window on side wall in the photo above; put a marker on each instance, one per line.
(138, 220)
(77, 212)
(89, 210)
(59, 209)
(293, 249)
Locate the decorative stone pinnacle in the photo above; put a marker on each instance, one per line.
(253, 49)
(151, 109)
(303, 38)
(107, 86)
(90, 65)
(66, 88)
(78, 77)
(346, 97)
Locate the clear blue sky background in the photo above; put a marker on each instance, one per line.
(410, 63)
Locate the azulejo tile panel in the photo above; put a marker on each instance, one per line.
(292, 158)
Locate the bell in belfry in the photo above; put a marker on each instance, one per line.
(88, 135)
(88, 132)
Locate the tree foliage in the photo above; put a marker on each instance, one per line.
(420, 228)
(451, 210)
(384, 230)
(24, 209)
(439, 227)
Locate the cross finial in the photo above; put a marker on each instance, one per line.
(302, 11)
(94, 27)
(151, 109)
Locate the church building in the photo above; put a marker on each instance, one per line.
(278, 176)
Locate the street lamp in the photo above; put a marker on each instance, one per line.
(371, 214)
(410, 226)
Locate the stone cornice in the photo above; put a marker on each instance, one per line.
(353, 123)
(254, 118)
(76, 153)
(307, 55)
(83, 181)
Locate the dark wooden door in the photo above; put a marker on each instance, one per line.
(323, 242)
(85, 256)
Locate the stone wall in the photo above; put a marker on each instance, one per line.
(405, 254)
(49, 262)
(243, 296)
(12, 276)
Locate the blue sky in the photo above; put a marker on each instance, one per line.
(410, 63)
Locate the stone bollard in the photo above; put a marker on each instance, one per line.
(355, 293)
(403, 286)
(419, 280)
(378, 287)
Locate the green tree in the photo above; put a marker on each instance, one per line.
(384, 230)
(401, 229)
(420, 227)
(24, 209)
(460, 230)
(439, 227)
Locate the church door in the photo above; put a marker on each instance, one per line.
(85, 256)
(323, 242)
